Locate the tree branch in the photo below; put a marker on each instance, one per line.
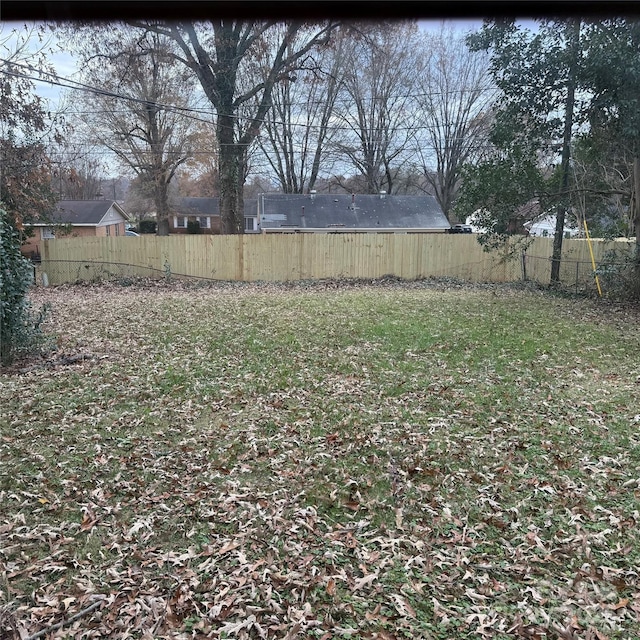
(64, 623)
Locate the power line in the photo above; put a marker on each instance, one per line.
(68, 83)
(189, 112)
(60, 81)
(106, 151)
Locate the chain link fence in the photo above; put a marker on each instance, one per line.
(576, 276)
(53, 272)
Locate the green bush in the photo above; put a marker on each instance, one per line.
(148, 226)
(619, 273)
(193, 226)
(20, 327)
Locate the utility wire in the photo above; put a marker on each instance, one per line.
(190, 111)
(68, 83)
(59, 80)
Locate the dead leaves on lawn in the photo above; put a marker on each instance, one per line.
(267, 462)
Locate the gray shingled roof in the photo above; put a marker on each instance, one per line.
(326, 211)
(208, 207)
(81, 212)
(196, 206)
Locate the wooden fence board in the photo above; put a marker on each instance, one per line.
(282, 257)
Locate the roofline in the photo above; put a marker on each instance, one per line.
(122, 212)
(114, 204)
(354, 230)
(346, 195)
(62, 224)
(183, 214)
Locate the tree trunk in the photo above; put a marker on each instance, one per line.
(573, 37)
(556, 255)
(160, 196)
(231, 190)
(636, 206)
(163, 226)
(231, 166)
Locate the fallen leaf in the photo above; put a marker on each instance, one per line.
(230, 546)
(360, 583)
(621, 604)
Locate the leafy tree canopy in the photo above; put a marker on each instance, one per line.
(534, 114)
(612, 73)
(25, 178)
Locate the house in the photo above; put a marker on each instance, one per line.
(205, 212)
(251, 216)
(77, 218)
(546, 228)
(529, 220)
(335, 213)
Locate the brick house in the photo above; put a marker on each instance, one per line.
(205, 212)
(77, 218)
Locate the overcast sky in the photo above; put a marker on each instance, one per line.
(65, 64)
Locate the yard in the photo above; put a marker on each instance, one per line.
(386, 460)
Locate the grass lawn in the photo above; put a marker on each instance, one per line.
(323, 461)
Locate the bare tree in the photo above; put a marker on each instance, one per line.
(374, 107)
(142, 112)
(218, 53)
(77, 171)
(297, 128)
(199, 176)
(455, 96)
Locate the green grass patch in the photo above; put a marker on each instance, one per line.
(381, 461)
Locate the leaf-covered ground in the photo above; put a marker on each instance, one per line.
(322, 461)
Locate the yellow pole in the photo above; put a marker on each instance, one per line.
(593, 260)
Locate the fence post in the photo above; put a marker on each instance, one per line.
(577, 274)
(524, 265)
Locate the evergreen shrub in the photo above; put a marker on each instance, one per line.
(20, 326)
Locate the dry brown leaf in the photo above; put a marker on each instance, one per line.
(621, 604)
(351, 505)
(293, 632)
(89, 519)
(230, 546)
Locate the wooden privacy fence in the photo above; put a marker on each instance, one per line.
(286, 257)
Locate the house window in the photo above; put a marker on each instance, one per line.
(108, 229)
(180, 222)
(48, 233)
(250, 224)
